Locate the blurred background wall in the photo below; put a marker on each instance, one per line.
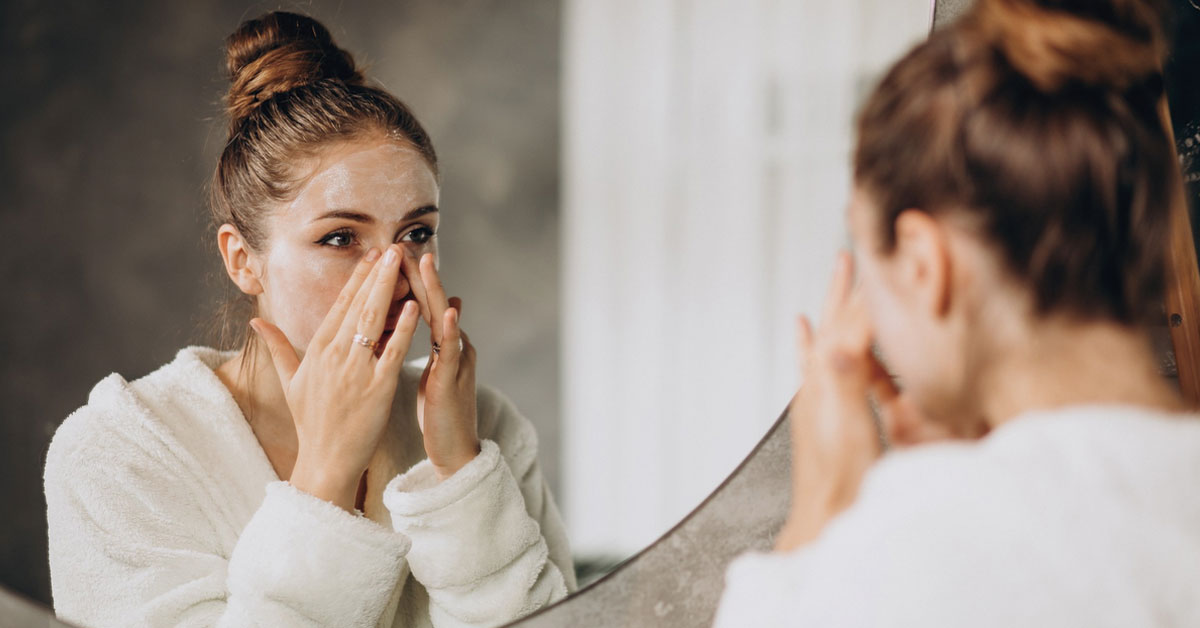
(706, 169)
(110, 122)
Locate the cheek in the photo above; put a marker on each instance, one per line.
(300, 289)
(889, 323)
(911, 352)
(895, 335)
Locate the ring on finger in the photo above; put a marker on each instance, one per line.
(437, 347)
(366, 342)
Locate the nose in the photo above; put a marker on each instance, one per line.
(402, 287)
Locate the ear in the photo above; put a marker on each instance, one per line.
(241, 264)
(923, 260)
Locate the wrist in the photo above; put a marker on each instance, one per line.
(340, 489)
(444, 471)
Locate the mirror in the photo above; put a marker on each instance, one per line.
(690, 137)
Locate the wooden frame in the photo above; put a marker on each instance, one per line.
(1183, 289)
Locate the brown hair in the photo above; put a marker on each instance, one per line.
(292, 91)
(1039, 119)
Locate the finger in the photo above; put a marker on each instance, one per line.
(857, 326)
(902, 423)
(283, 355)
(392, 358)
(373, 315)
(333, 320)
(412, 270)
(804, 335)
(434, 292)
(839, 287)
(804, 343)
(882, 387)
(353, 316)
(466, 366)
(446, 366)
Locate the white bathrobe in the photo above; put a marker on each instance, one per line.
(164, 510)
(1086, 516)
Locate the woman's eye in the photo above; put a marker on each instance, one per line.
(338, 239)
(420, 235)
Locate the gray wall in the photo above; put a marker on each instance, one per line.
(111, 124)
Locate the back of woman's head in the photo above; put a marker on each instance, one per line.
(1038, 121)
(293, 91)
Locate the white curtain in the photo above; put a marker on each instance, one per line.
(706, 170)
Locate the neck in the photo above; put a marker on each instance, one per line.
(1061, 362)
(251, 378)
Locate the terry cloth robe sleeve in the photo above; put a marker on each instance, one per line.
(488, 542)
(117, 490)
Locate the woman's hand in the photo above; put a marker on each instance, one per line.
(340, 395)
(834, 435)
(446, 397)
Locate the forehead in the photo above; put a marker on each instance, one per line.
(366, 176)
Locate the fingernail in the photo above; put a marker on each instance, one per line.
(390, 258)
(372, 254)
(254, 325)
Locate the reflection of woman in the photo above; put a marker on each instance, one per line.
(1012, 180)
(165, 503)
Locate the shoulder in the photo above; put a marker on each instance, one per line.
(924, 507)
(919, 541)
(942, 489)
(132, 423)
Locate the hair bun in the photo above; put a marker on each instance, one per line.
(1104, 43)
(279, 52)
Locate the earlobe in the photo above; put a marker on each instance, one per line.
(240, 262)
(924, 254)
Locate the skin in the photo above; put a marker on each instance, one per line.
(353, 253)
(962, 337)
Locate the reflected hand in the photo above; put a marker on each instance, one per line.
(446, 401)
(340, 394)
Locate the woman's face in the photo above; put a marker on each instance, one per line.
(913, 342)
(359, 195)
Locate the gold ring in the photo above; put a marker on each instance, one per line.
(366, 342)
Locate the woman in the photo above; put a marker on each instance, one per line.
(311, 478)
(1009, 214)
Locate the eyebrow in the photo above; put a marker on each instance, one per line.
(348, 214)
